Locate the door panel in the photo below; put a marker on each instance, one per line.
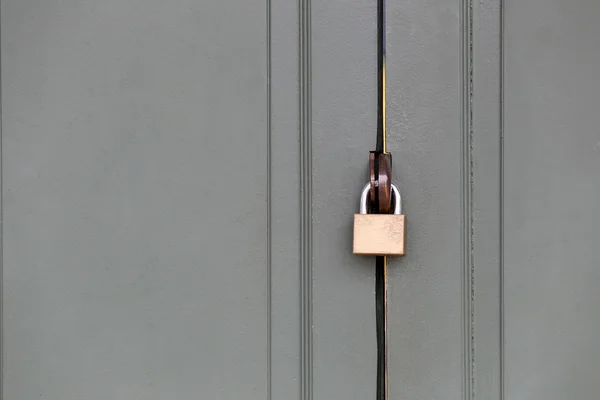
(179, 179)
(178, 188)
(134, 199)
(425, 137)
(551, 191)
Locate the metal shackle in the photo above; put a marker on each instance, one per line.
(364, 195)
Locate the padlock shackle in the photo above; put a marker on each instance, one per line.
(397, 200)
(364, 195)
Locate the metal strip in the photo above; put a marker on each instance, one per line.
(381, 274)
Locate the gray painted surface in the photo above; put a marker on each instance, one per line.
(284, 222)
(132, 269)
(135, 257)
(427, 314)
(424, 78)
(486, 199)
(552, 187)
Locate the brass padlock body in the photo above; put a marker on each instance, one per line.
(379, 234)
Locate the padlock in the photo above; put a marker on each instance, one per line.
(379, 234)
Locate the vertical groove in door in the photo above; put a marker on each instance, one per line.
(466, 200)
(269, 279)
(305, 100)
(1, 235)
(501, 200)
(1, 231)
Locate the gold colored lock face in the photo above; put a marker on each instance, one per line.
(379, 234)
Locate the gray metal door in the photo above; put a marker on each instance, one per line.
(179, 179)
